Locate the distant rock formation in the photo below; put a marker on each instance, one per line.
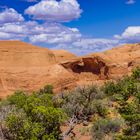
(95, 65)
(27, 67)
(109, 65)
(62, 55)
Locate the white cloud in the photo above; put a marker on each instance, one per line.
(5, 36)
(51, 33)
(130, 2)
(88, 45)
(9, 16)
(130, 35)
(54, 33)
(11, 36)
(52, 10)
(96, 44)
(16, 28)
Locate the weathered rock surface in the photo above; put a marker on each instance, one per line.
(108, 65)
(27, 67)
(62, 55)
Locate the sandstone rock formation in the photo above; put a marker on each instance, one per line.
(20, 54)
(121, 60)
(94, 65)
(27, 67)
(62, 55)
(108, 65)
(24, 66)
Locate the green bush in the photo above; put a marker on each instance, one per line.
(128, 87)
(109, 88)
(79, 101)
(18, 99)
(35, 117)
(99, 107)
(130, 110)
(136, 73)
(126, 92)
(47, 89)
(122, 90)
(104, 127)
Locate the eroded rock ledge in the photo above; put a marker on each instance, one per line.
(95, 65)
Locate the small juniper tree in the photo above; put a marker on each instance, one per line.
(32, 117)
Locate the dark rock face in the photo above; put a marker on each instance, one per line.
(94, 65)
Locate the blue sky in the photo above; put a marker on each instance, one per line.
(104, 18)
(80, 26)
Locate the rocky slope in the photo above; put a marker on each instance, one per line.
(62, 55)
(27, 67)
(111, 64)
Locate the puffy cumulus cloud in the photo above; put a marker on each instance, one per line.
(57, 11)
(88, 45)
(51, 33)
(19, 30)
(95, 44)
(55, 33)
(13, 31)
(12, 28)
(10, 15)
(8, 32)
(11, 36)
(130, 35)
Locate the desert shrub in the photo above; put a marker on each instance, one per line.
(14, 126)
(18, 99)
(104, 127)
(138, 96)
(131, 113)
(109, 88)
(84, 131)
(117, 98)
(130, 108)
(122, 90)
(20, 126)
(35, 117)
(79, 101)
(46, 89)
(128, 87)
(126, 92)
(99, 107)
(136, 73)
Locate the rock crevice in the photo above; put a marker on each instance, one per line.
(94, 65)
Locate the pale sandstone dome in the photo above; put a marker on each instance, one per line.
(27, 67)
(62, 55)
(20, 54)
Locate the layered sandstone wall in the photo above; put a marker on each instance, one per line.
(27, 67)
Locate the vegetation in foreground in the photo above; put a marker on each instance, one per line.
(113, 110)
